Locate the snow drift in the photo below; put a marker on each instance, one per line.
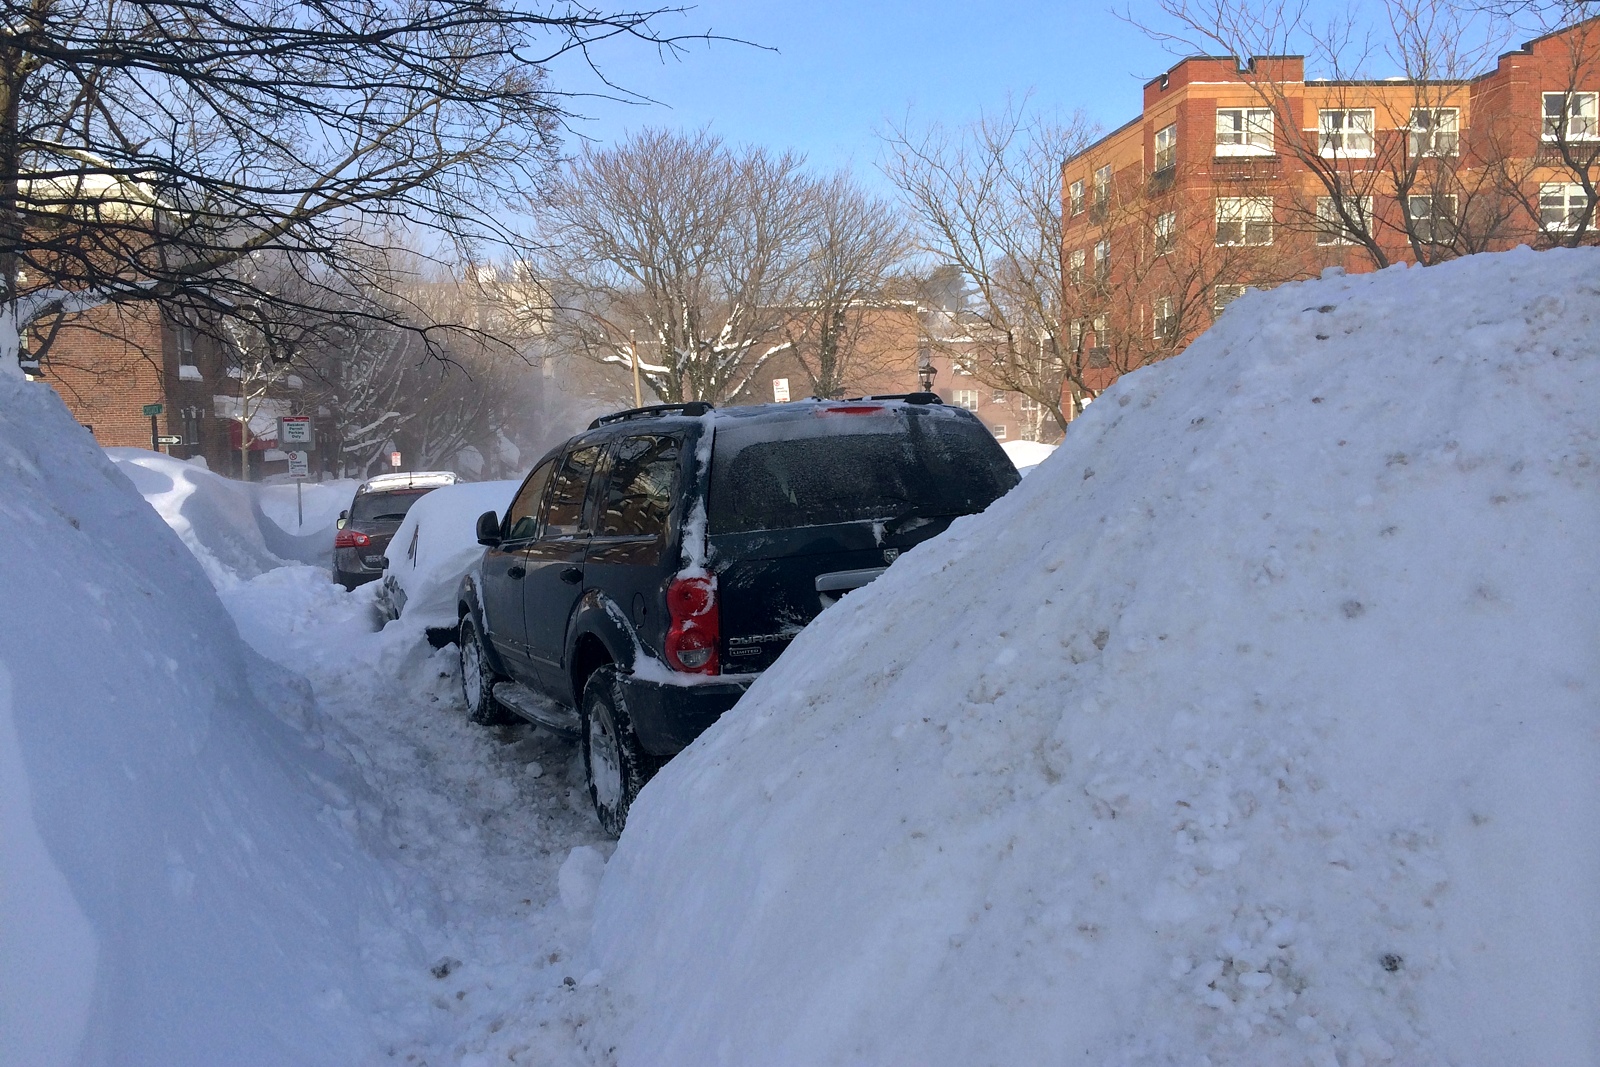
(1257, 726)
(236, 529)
(179, 880)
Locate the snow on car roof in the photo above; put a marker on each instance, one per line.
(411, 480)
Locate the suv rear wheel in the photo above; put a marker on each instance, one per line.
(478, 678)
(617, 768)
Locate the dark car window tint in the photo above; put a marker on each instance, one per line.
(564, 511)
(388, 506)
(639, 490)
(815, 472)
(524, 511)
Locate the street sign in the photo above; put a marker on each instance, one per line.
(169, 439)
(299, 464)
(154, 409)
(295, 430)
(394, 459)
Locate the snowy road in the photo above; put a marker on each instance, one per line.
(481, 825)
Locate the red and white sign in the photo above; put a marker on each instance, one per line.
(294, 430)
(299, 464)
(394, 459)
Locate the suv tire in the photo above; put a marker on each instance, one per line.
(616, 767)
(478, 678)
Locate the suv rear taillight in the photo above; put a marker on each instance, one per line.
(696, 625)
(351, 539)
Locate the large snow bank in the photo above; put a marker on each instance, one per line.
(438, 543)
(1258, 726)
(236, 529)
(178, 879)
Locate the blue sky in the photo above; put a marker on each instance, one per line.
(840, 70)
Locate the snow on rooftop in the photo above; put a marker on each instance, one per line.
(1257, 726)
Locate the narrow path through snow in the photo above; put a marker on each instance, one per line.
(490, 831)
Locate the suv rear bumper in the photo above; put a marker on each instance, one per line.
(667, 717)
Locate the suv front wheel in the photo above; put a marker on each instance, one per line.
(616, 766)
(478, 678)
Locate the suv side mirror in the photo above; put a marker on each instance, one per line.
(344, 517)
(489, 529)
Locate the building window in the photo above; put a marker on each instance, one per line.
(1000, 432)
(965, 398)
(1166, 232)
(1164, 314)
(1346, 132)
(1435, 131)
(1562, 205)
(1102, 260)
(1244, 220)
(1570, 115)
(1102, 185)
(1244, 131)
(185, 339)
(1075, 260)
(1075, 336)
(1166, 148)
(1075, 197)
(191, 425)
(998, 396)
(1432, 218)
(1335, 229)
(1098, 355)
(780, 390)
(1030, 406)
(1223, 295)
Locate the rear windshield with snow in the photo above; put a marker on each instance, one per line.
(849, 468)
(388, 506)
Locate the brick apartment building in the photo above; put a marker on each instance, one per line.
(1237, 176)
(893, 354)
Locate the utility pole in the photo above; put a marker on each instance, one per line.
(633, 351)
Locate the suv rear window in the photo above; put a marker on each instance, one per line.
(388, 506)
(851, 468)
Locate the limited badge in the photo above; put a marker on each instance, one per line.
(891, 554)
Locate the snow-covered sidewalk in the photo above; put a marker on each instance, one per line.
(491, 830)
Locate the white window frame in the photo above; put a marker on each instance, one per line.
(1331, 229)
(1245, 131)
(1223, 295)
(1583, 122)
(1102, 260)
(964, 398)
(1164, 318)
(997, 396)
(1432, 221)
(1102, 185)
(1252, 215)
(1166, 154)
(1166, 232)
(1075, 330)
(1075, 203)
(1566, 197)
(1340, 132)
(1029, 405)
(999, 431)
(1075, 265)
(1435, 132)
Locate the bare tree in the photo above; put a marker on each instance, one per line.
(857, 241)
(680, 253)
(986, 200)
(146, 145)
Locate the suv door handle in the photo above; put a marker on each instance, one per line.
(517, 572)
(572, 575)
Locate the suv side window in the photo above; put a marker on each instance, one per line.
(564, 511)
(639, 492)
(524, 511)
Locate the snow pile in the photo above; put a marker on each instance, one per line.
(236, 530)
(179, 883)
(1258, 726)
(1026, 455)
(438, 543)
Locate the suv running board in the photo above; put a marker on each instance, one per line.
(539, 709)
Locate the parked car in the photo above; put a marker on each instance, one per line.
(375, 513)
(650, 568)
(435, 545)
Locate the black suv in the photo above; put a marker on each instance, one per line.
(652, 566)
(374, 514)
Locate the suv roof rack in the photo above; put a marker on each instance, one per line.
(909, 398)
(693, 409)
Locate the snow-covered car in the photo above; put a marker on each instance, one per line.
(433, 547)
(374, 515)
